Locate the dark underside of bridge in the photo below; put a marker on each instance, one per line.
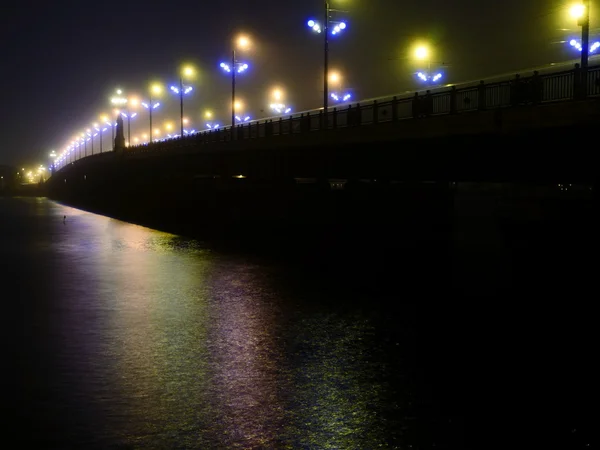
(370, 188)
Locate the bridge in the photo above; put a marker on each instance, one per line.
(551, 98)
(532, 128)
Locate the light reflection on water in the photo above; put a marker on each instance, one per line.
(151, 341)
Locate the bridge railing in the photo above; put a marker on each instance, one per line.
(565, 85)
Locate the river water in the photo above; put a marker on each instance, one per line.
(118, 336)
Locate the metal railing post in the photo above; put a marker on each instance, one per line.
(453, 100)
(375, 112)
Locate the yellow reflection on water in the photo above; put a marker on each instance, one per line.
(247, 360)
(338, 390)
(185, 349)
(158, 305)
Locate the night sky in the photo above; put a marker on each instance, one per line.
(62, 60)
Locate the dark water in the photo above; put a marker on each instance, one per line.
(118, 336)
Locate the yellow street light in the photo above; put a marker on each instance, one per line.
(156, 89)
(277, 94)
(169, 126)
(243, 42)
(238, 105)
(188, 71)
(577, 11)
(335, 77)
(422, 52)
(133, 102)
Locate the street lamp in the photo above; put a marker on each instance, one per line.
(423, 52)
(128, 116)
(187, 72)
(150, 105)
(242, 43)
(577, 45)
(339, 95)
(341, 98)
(581, 12)
(100, 130)
(112, 124)
(277, 105)
(238, 108)
(426, 77)
(325, 29)
(209, 116)
(91, 136)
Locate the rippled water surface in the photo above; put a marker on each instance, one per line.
(119, 336)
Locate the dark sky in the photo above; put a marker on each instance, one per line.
(61, 60)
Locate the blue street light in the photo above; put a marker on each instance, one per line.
(242, 119)
(280, 108)
(212, 126)
(186, 89)
(182, 90)
(233, 68)
(577, 45)
(100, 130)
(150, 107)
(429, 78)
(128, 117)
(341, 97)
(337, 28)
(240, 67)
(327, 27)
(112, 126)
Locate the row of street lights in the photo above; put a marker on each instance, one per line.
(236, 67)
(327, 28)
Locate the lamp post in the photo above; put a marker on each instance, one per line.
(111, 124)
(326, 29)
(581, 12)
(151, 105)
(234, 67)
(277, 105)
(423, 53)
(128, 116)
(339, 95)
(100, 130)
(326, 62)
(187, 72)
(89, 133)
